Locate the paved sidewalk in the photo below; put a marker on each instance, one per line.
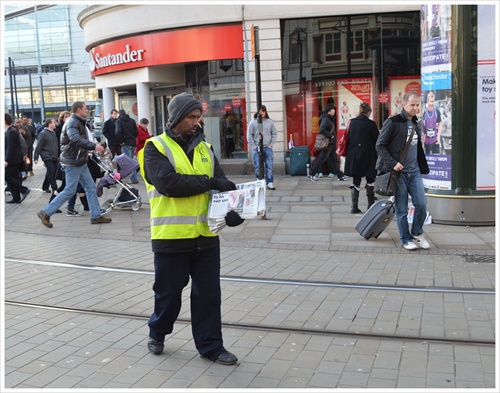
(308, 236)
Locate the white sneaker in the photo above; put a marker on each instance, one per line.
(410, 246)
(270, 186)
(421, 242)
(312, 178)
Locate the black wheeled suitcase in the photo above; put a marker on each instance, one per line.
(376, 219)
(299, 158)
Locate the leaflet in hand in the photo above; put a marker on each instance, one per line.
(249, 200)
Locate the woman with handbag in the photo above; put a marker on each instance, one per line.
(361, 155)
(327, 131)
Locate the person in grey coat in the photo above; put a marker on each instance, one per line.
(361, 155)
(48, 148)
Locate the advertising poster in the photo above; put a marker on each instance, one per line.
(350, 93)
(486, 86)
(436, 107)
(398, 86)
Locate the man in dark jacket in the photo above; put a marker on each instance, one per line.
(109, 132)
(14, 158)
(327, 128)
(179, 169)
(75, 149)
(30, 143)
(390, 144)
(48, 148)
(126, 133)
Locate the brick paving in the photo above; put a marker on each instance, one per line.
(308, 236)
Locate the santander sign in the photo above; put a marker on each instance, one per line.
(98, 60)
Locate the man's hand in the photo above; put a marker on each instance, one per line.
(233, 219)
(221, 184)
(398, 167)
(5, 164)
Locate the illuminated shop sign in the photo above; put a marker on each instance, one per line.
(211, 43)
(98, 60)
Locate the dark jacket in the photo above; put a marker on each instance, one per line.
(74, 143)
(392, 141)
(14, 153)
(47, 146)
(126, 130)
(160, 172)
(109, 131)
(361, 154)
(327, 128)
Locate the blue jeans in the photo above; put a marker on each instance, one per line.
(268, 162)
(130, 151)
(73, 175)
(410, 183)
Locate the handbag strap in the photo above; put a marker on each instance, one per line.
(407, 146)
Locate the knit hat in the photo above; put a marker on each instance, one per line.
(180, 106)
(329, 108)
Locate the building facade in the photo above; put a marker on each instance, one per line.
(44, 52)
(307, 55)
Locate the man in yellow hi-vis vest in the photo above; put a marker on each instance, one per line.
(179, 169)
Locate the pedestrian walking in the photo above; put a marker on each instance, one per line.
(361, 155)
(390, 144)
(14, 159)
(75, 148)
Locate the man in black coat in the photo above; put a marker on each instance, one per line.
(14, 158)
(126, 132)
(109, 132)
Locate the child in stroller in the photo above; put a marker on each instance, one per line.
(126, 195)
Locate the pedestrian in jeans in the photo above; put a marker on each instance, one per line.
(390, 144)
(75, 148)
(269, 135)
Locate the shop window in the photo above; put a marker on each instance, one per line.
(239, 65)
(357, 44)
(333, 46)
(213, 67)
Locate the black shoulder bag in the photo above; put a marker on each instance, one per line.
(386, 183)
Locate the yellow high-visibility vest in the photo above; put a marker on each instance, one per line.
(179, 218)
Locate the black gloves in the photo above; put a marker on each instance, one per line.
(233, 219)
(221, 184)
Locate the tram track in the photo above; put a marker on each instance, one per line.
(329, 331)
(260, 327)
(477, 291)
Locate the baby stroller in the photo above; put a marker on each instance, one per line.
(126, 195)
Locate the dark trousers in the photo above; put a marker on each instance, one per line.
(172, 272)
(50, 175)
(14, 182)
(115, 150)
(330, 157)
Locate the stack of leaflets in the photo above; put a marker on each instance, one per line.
(248, 200)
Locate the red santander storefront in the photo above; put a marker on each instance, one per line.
(141, 74)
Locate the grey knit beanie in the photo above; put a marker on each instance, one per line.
(180, 106)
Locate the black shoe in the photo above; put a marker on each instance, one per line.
(25, 194)
(226, 358)
(155, 347)
(12, 201)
